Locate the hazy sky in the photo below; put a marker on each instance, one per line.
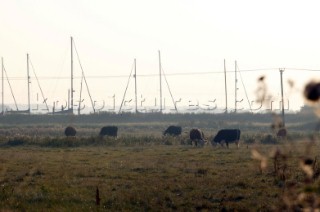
(194, 38)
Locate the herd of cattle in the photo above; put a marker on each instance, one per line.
(105, 131)
(224, 136)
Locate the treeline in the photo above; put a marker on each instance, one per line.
(299, 121)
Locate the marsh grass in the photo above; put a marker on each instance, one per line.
(143, 176)
(139, 171)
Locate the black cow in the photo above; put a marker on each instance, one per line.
(70, 131)
(173, 131)
(197, 136)
(227, 136)
(109, 131)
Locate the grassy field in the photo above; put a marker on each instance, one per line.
(156, 174)
(42, 170)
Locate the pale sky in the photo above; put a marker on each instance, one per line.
(194, 37)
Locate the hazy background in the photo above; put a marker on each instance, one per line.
(194, 38)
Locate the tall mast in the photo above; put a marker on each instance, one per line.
(2, 86)
(114, 102)
(236, 87)
(71, 92)
(135, 84)
(225, 84)
(28, 78)
(282, 105)
(160, 82)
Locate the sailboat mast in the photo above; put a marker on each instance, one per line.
(135, 84)
(235, 87)
(282, 105)
(71, 92)
(225, 85)
(28, 78)
(2, 66)
(160, 82)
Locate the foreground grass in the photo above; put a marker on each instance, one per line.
(136, 178)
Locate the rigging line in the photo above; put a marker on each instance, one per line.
(172, 74)
(85, 81)
(80, 100)
(257, 69)
(245, 90)
(183, 73)
(140, 75)
(169, 89)
(156, 75)
(44, 100)
(14, 99)
(303, 69)
(84, 76)
(119, 76)
(125, 91)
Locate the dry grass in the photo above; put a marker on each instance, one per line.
(153, 177)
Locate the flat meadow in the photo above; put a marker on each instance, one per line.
(42, 170)
(152, 177)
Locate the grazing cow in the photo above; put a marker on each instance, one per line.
(197, 136)
(173, 131)
(70, 131)
(109, 131)
(282, 132)
(227, 136)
